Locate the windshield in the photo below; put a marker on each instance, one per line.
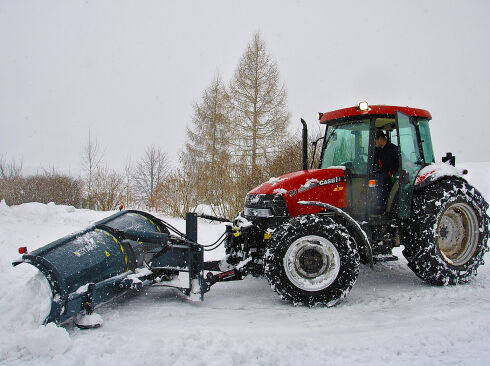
(347, 145)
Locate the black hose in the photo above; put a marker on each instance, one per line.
(216, 242)
(216, 247)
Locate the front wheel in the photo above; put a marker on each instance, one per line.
(312, 261)
(448, 232)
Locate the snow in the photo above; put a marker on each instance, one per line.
(88, 320)
(281, 191)
(438, 170)
(390, 317)
(83, 289)
(182, 281)
(275, 180)
(242, 222)
(309, 183)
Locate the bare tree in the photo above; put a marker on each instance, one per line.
(91, 159)
(149, 172)
(183, 199)
(10, 170)
(107, 189)
(11, 181)
(289, 159)
(47, 187)
(259, 102)
(53, 186)
(128, 199)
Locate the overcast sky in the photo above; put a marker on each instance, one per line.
(129, 71)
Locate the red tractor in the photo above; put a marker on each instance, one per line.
(308, 231)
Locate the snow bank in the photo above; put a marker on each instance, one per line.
(25, 296)
(25, 301)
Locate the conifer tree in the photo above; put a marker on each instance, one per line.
(207, 153)
(259, 102)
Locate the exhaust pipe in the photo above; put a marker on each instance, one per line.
(305, 145)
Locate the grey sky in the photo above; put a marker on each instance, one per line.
(130, 70)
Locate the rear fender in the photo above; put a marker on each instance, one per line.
(434, 172)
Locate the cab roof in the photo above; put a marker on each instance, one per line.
(381, 110)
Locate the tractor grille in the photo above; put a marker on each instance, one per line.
(275, 203)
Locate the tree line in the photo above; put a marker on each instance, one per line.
(237, 138)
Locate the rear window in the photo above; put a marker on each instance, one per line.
(426, 141)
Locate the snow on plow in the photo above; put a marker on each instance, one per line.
(125, 251)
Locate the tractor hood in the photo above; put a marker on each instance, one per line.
(321, 185)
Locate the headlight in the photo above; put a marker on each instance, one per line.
(363, 106)
(257, 212)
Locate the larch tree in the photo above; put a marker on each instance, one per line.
(207, 152)
(259, 102)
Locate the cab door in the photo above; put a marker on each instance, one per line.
(410, 161)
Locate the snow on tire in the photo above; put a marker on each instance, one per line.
(448, 232)
(312, 261)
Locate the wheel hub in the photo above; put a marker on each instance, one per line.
(312, 263)
(457, 233)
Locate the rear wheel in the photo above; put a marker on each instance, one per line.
(312, 261)
(448, 232)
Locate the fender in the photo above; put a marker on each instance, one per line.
(433, 172)
(351, 225)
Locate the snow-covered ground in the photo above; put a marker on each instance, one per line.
(391, 317)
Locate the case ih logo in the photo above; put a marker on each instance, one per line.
(331, 181)
(315, 183)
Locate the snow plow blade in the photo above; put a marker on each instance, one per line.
(125, 251)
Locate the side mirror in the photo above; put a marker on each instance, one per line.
(449, 158)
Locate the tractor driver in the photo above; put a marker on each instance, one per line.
(386, 166)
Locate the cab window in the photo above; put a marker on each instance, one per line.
(347, 145)
(426, 142)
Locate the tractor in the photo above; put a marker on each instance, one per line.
(307, 232)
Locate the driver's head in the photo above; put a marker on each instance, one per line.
(380, 139)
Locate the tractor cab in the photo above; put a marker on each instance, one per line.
(350, 143)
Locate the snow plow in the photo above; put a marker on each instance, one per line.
(125, 251)
(307, 232)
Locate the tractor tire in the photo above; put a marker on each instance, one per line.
(311, 261)
(448, 232)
